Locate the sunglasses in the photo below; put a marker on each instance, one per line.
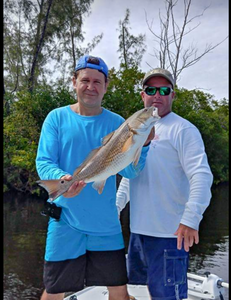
(163, 90)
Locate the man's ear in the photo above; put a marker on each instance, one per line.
(106, 85)
(74, 81)
(142, 95)
(173, 95)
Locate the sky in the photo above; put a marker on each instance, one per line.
(209, 75)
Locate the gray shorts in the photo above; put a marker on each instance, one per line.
(99, 268)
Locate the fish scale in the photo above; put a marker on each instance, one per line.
(111, 156)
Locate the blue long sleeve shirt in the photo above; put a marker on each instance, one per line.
(66, 140)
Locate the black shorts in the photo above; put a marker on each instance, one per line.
(99, 268)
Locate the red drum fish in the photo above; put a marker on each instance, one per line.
(119, 148)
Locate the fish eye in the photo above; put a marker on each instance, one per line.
(62, 181)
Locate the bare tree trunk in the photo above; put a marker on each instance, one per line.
(73, 48)
(124, 49)
(38, 49)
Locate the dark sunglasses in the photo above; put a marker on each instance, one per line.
(163, 90)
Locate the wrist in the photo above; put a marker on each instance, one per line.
(145, 145)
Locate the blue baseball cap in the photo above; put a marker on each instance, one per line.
(92, 62)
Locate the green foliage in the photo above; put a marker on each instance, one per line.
(123, 94)
(215, 140)
(193, 100)
(42, 101)
(21, 134)
(24, 114)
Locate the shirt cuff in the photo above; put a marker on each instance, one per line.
(147, 144)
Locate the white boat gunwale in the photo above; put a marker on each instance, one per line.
(200, 287)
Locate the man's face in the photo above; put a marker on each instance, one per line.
(163, 103)
(90, 87)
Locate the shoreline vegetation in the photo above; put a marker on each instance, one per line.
(24, 113)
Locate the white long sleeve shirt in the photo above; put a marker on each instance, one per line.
(175, 185)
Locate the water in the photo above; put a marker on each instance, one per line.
(24, 240)
(25, 236)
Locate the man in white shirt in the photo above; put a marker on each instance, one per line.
(168, 198)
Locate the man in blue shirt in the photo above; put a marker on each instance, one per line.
(85, 247)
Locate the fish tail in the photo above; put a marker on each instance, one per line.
(52, 187)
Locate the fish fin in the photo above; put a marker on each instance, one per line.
(137, 156)
(129, 141)
(89, 157)
(52, 187)
(127, 144)
(107, 138)
(99, 186)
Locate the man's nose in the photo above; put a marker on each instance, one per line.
(157, 94)
(91, 86)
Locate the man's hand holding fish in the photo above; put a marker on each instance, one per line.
(75, 188)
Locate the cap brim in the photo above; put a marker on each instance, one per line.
(155, 75)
